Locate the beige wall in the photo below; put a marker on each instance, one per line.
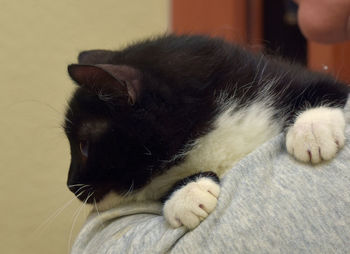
(38, 38)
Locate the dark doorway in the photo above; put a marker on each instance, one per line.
(282, 35)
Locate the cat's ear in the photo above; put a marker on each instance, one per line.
(118, 81)
(97, 56)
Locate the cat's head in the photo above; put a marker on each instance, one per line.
(133, 111)
(120, 131)
(104, 128)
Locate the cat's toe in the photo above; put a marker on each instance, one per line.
(316, 135)
(192, 203)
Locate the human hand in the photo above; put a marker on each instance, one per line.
(325, 21)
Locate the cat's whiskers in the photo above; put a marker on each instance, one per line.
(131, 188)
(67, 119)
(47, 105)
(98, 213)
(95, 204)
(55, 214)
(79, 184)
(149, 153)
(104, 97)
(68, 106)
(86, 186)
(75, 217)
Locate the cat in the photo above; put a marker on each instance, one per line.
(165, 118)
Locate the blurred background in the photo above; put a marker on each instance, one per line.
(40, 38)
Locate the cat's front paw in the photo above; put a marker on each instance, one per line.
(317, 134)
(192, 203)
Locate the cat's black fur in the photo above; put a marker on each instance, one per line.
(162, 95)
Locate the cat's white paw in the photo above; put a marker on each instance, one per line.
(192, 203)
(317, 134)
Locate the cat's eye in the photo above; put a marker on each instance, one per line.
(84, 148)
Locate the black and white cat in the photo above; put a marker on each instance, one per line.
(165, 118)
